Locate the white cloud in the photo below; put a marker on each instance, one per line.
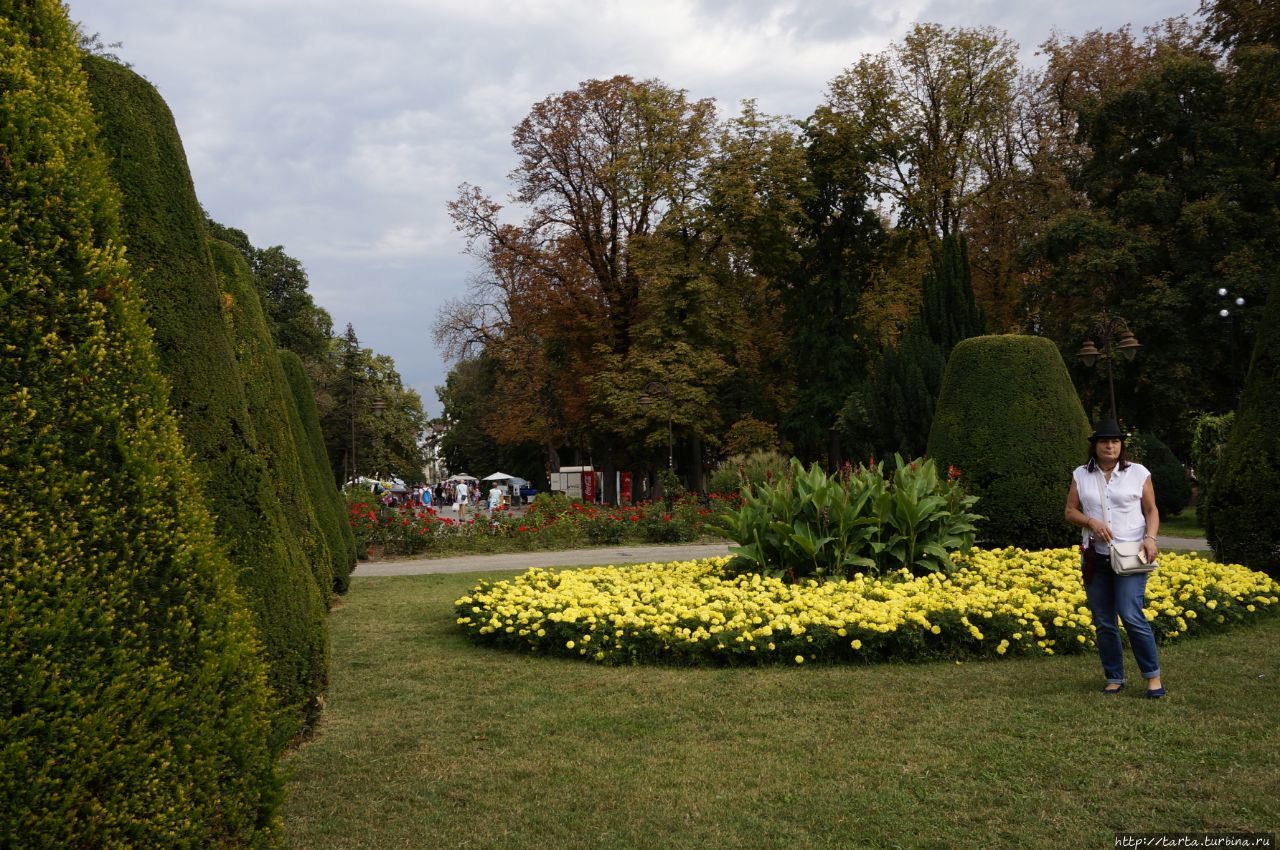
(341, 129)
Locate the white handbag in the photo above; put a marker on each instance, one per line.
(1126, 555)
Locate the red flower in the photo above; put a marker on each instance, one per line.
(953, 472)
(523, 528)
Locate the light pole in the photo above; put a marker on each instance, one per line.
(1226, 313)
(658, 388)
(1116, 339)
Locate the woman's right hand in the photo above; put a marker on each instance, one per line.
(1100, 530)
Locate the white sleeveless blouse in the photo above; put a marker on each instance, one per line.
(1124, 499)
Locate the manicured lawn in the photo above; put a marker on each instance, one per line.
(429, 742)
(1182, 524)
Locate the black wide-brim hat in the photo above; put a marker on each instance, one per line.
(1107, 429)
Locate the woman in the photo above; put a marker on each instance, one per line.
(1131, 503)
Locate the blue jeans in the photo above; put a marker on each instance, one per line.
(1110, 595)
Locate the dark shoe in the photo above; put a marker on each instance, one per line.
(1155, 693)
(1110, 691)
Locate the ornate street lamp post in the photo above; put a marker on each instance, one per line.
(1116, 339)
(658, 388)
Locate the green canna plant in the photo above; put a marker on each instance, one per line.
(809, 524)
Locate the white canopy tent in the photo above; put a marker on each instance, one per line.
(462, 476)
(515, 480)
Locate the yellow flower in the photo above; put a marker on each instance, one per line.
(799, 659)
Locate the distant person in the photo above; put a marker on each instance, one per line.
(462, 497)
(1109, 485)
(495, 497)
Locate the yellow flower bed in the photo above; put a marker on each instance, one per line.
(1006, 601)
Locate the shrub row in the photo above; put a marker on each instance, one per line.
(327, 500)
(233, 407)
(136, 708)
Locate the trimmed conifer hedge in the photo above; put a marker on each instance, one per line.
(164, 229)
(329, 506)
(135, 703)
(280, 434)
(1242, 518)
(1009, 419)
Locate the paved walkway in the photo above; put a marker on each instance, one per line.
(615, 555)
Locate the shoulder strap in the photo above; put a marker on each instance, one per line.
(1106, 512)
(1102, 497)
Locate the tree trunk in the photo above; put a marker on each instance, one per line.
(697, 477)
(608, 472)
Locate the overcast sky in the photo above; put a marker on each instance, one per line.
(340, 130)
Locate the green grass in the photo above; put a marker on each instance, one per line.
(1183, 524)
(428, 742)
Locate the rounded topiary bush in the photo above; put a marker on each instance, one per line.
(1009, 419)
(1244, 496)
(135, 704)
(1168, 476)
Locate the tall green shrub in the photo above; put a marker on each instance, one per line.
(275, 416)
(1209, 436)
(329, 507)
(1168, 476)
(908, 377)
(747, 470)
(135, 703)
(948, 312)
(164, 230)
(1244, 497)
(1009, 419)
(904, 392)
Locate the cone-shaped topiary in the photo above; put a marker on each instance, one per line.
(135, 703)
(164, 229)
(1241, 518)
(330, 509)
(1009, 419)
(280, 433)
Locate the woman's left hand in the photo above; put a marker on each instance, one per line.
(1149, 550)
